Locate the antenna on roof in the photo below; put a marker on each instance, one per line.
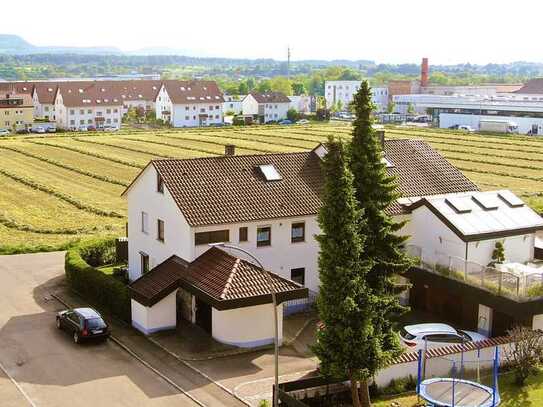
(288, 62)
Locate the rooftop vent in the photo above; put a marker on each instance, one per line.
(270, 172)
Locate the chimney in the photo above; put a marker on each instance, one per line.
(424, 73)
(381, 135)
(229, 149)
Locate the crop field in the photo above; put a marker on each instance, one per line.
(56, 188)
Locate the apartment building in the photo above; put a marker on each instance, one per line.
(340, 94)
(15, 110)
(190, 103)
(266, 107)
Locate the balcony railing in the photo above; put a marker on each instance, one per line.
(519, 287)
(300, 305)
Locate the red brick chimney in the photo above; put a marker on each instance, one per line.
(424, 73)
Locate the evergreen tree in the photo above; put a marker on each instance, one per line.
(375, 192)
(346, 345)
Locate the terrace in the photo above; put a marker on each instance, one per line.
(516, 281)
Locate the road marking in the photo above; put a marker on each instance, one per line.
(21, 390)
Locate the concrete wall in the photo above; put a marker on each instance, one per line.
(282, 255)
(159, 317)
(247, 327)
(143, 197)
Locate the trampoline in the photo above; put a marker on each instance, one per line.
(453, 381)
(448, 392)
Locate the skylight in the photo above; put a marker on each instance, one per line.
(270, 172)
(458, 204)
(510, 199)
(487, 202)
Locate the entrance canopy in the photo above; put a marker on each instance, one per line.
(218, 279)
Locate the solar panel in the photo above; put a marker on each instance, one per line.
(486, 201)
(458, 204)
(270, 172)
(511, 199)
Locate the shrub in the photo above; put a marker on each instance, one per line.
(105, 291)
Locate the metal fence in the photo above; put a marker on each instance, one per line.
(500, 282)
(300, 305)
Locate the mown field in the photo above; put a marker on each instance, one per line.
(66, 186)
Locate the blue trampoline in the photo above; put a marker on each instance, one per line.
(457, 390)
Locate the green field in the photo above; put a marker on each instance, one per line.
(56, 188)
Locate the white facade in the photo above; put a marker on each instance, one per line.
(159, 317)
(344, 91)
(73, 117)
(233, 104)
(267, 112)
(43, 110)
(233, 327)
(195, 114)
(302, 103)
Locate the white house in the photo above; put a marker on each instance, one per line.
(341, 94)
(267, 205)
(302, 103)
(267, 107)
(233, 103)
(78, 106)
(43, 99)
(190, 103)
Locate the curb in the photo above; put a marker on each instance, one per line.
(186, 363)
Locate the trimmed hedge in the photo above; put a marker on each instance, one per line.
(105, 291)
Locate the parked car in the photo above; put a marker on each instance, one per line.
(83, 324)
(82, 128)
(420, 336)
(302, 121)
(51, 129)
(91, 128)
(109, 128)
(4, 132)
(466, 128)
(285, 122)
(39, 130)
(23, 131)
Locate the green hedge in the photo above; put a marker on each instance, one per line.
(105, 291)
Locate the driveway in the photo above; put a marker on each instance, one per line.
(41, 366)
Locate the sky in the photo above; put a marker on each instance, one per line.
(392, 31)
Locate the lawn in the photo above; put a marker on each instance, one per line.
(530, 395)
(65, 186)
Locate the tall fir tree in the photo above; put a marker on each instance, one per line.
(375, 192)
(346, 344)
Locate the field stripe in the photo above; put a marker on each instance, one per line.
(134, 150)
(78, 204)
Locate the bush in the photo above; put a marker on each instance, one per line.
(105, 291)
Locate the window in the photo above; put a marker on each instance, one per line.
(72, 111)
(210, 107)
(187, 108)
(81, 121)
(243, 234)
(160, 230)
(216, 116)
(46, 108)
(298, 275)
(89, 121)
(108, 111)
(159, 183)
(115, 110)
(72, 122)
(297, 232)
(144, 263)
(108, 121)
(217, 107)
(115, 120)
(99, 113)
(215, 236)
(263, 236)
(144, 222)
(81, 111)
(89, 111)
(187, 117)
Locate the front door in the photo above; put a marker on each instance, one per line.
(203, 315)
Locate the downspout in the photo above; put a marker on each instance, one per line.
(466, 263)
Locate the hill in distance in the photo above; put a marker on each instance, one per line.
(15, 45)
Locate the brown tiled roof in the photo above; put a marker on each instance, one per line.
(229, 282)
(158, 282)
(270, 97)
(17, 87)
(192, 92)
(533, 86)
(83, 94)
(26, 98)
(232, 189)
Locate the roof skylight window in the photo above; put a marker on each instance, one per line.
(270, 172)
(458, 204)
(511, 199)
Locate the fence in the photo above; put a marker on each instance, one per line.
(500, 282)
(300, 305)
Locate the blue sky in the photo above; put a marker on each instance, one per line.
(476, 31)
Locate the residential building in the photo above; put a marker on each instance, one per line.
(43, 99)
(79, 106)
(190, 103)
(524, 111)
(15, 110)
(233, 103)
(303, 103)
(340, 94)
(266, 107)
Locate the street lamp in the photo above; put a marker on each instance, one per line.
(274, 303)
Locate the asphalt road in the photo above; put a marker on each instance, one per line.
(43, 367)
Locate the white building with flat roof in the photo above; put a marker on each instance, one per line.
(340, 94)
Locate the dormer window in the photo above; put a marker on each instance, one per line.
(159, 184)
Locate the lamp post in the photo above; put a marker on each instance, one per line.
(274, 303)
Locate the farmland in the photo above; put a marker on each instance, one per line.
(62, 187)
